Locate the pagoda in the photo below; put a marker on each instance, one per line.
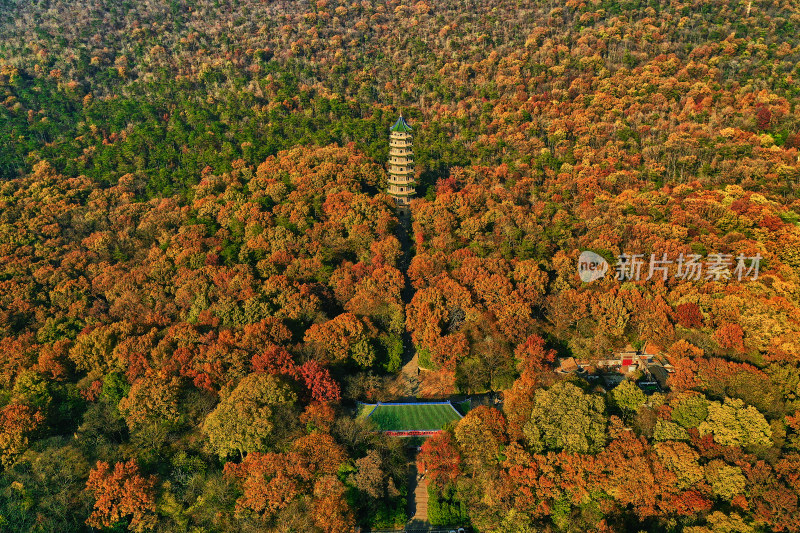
(401, 163)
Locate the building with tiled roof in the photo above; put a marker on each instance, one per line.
(401, 163)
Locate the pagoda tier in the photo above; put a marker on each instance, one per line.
(401, 163)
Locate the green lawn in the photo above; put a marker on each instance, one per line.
(410, 416)
(364, 409)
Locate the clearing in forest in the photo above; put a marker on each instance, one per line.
(409, 418)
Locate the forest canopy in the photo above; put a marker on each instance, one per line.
(201, 274)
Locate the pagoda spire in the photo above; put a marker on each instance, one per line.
(401, 163)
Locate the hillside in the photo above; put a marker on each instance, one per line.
(202, 275)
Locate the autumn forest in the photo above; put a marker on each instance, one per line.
(202, 276)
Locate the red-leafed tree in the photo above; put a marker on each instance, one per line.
(731, 337)
(319, 382)
(689, 315)
(439, 459)
(274, 360)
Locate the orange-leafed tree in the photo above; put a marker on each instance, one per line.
(270, 481)
(332, 513)
(481, 436)
(320, 453)
(17, 422)
(533, 356)
(120, 493)
(318, 415)
(342, 338)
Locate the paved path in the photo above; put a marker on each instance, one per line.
(409, 374)
(409, 385)
(410, 378)
(417, 499)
